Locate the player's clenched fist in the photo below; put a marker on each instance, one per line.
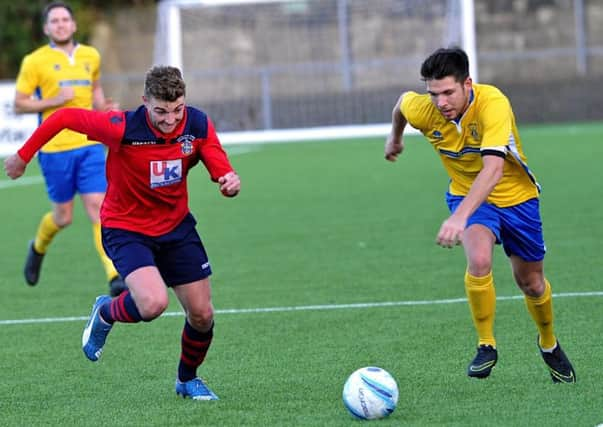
(14, 166)
(230, 184)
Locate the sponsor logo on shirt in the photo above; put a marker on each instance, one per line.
(75, 83)
(165, 172)
(144, 142)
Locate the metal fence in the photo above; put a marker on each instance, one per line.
(311, 63)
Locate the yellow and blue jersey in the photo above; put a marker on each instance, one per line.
(488, 123)
(47, 69)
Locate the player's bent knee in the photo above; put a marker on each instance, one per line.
(201, 319)
(532, 289)
(152, 308)
(480, 265)
(531, 284)
(64, 221)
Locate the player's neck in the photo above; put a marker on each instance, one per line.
(466, 107)
(66, 46)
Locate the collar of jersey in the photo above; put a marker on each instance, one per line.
(471, 97)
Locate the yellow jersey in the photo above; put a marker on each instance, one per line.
(44, 71)
(488, 123)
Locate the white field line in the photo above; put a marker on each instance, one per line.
(26, 180)
(237, 150)
(307, 308)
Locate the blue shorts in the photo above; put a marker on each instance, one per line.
(74, 171)
(518, 228)
(178, 255)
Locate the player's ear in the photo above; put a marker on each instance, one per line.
(467, 85)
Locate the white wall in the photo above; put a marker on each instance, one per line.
(14, 129)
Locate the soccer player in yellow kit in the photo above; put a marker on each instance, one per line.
(65, 73)
(492, 197)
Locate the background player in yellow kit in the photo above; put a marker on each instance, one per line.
(492, 197)
(65, 73)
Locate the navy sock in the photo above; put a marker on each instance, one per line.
(194, 348)
(121, 309)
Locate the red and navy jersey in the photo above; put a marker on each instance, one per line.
(146, 169)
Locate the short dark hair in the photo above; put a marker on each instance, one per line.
(446, 62)
(164, 83)
(54, 5)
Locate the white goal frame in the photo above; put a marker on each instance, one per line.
(170, 50)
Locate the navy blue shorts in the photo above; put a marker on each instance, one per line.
(518, 228)
(178, 255)
(81, 170)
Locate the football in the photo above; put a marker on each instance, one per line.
(370, 393)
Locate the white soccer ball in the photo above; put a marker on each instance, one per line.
(370, 393)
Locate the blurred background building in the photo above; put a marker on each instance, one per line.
(305, 63)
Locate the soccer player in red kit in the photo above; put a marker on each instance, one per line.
(147, 228)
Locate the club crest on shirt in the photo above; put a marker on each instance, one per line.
(474, 132)
(186, 142)
(436, 134)
(57, 67)
(165, 172)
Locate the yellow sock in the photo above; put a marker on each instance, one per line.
(482, 301)
(47, 229)
(541, 309)
(110, 270)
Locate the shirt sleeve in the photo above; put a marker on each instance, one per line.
(213, 155)
(497, 124)
(106, 127)
(416, 110)
(97, 66)
(27, 80)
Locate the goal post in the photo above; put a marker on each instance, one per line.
(468, 36)
(278, 65)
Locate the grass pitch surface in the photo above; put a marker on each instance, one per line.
(325, 263)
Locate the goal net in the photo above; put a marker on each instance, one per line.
(267, 65)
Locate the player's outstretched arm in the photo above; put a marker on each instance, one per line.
(14, 166)
(107, 127)
(230, 184)
(393, 143)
